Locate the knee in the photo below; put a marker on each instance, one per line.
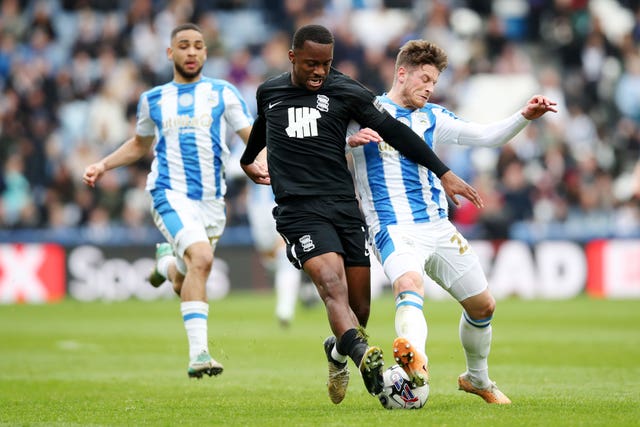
(409, 282)
(483, 308)
(199, 260)
(327, 278)
(489, 308)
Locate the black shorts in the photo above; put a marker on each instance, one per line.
(319, 225)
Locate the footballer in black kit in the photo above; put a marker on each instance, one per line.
(317, 209)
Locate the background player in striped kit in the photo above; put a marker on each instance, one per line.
(187, 118)
(406, 208)
(271, 246)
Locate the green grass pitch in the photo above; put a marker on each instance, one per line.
(563, 363)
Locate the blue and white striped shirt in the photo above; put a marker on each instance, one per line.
(395, 190)
(190, 124)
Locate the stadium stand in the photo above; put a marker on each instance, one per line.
(71, 72)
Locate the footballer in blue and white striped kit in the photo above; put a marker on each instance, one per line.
(405, 207)
(186, 121)
(190, 155)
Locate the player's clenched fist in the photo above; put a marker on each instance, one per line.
(92, 173)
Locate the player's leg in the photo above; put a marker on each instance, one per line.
(309, 242)
(409, 348)
(271, 246)
(359, 284)
(168, 220)
(456, 268)
(198, 257)
(194, 306)
(311, 231)
(353, 239)
(327, 272)
(402, 254)
(193, 237)
(476, 334)
(286, 280)
(164, 260)
(166, 268)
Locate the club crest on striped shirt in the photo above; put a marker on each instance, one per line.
(185, 99)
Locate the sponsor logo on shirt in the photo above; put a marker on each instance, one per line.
(303, 122)
(185, 122)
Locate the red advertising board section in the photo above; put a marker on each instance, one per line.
(33, 273)
(614, 269)
(37, 273)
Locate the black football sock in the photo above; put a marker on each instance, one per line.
(353, 344)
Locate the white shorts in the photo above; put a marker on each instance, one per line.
(438, 250)
(183, 221)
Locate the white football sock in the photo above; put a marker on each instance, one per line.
(287, 286)
(410, 322)
(475, 336)
(163, 265)
(195, 315)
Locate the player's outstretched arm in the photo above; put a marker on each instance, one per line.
(132, 150)
(498, 133)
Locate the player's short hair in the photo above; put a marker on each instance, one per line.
(313, 33)
(186, 26)
(416, 53)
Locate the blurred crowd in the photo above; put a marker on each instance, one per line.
(71, 72)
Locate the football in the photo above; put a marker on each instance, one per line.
(398, 391)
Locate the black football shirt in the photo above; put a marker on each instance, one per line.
(306, 130)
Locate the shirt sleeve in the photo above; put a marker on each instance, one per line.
(451, 129)
(352, 129)
(257, 141)
(365, 107)
(236, 111)
(145, 126)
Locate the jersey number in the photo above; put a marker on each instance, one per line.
(462, 243)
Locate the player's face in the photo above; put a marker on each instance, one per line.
(418, 84)
(188, 53)
(311, 64)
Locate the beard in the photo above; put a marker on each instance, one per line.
(187, 75)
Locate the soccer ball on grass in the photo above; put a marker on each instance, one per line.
(399, 392)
